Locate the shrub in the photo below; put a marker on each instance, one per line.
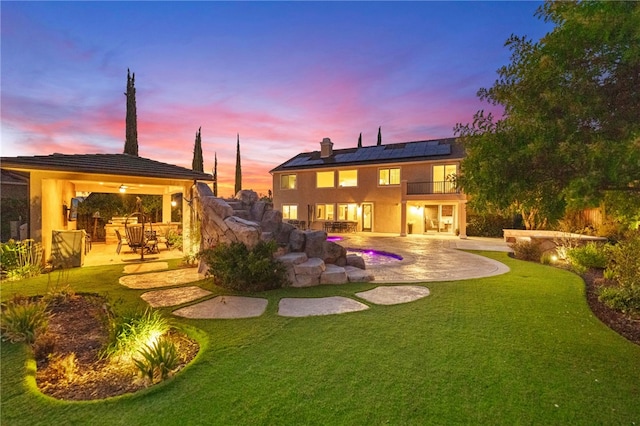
(590, 255)
(624, 269)
(131, 332)
(526, 250)
(623, 299)
(487, 225)
(157, 361)
(235, 267)
(21, 259)
(23, 320)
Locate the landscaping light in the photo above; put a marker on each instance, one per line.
(123, 189)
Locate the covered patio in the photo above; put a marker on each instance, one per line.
(58, 181)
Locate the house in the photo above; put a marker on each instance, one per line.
(398, 188)
(55, 181)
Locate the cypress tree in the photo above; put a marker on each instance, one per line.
(238, 187)
(379, 136)
(360, 141)
(131, 141)
(215, 174)
(197, 163)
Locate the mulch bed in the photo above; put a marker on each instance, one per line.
(68, 359)
(627, 326)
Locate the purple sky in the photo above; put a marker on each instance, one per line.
(283, 75)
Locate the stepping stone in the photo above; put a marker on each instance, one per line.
(161, 279)
(393, 295)
(145, 267)
(225, 307)
(299, 307)
(174, 296)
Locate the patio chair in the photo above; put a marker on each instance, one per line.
(119, 242)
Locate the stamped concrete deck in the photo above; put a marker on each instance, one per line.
(424, 259)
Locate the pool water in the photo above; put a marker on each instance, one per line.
(375, 257)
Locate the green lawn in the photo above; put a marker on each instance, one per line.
(520, 348)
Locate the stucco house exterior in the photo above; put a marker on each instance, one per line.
(54, 181)
(399, 188)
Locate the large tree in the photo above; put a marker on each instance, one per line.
(131, 141)
(197, 164)
(379, 136)
(571, 125)
(238, 186)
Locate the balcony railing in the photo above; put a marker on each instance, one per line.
(425, 188)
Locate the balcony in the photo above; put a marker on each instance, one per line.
(429, 188)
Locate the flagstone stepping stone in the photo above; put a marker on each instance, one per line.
(225, 307)
(174, 296)
(393, 295)
(161, 279)
(305, 307)
(145, 267)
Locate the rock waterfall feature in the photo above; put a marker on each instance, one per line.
(310, 259)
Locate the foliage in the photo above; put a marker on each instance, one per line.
(238, 184)
(132, 331)
(197, 162)
(379, 142)
(110, 205)
(131, 122)
(590, 255)
(12, 209)
(21, 259)
(623, 299)
(66, 366)
(571, 126)
(488, 225)
(624, 269)
(157, 360)
(235, 267)
(22, 320)
(174, 239)
(526, 250)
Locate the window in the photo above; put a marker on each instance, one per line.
(290, 211)
(325, 179)
(444, 178)
(325, 212)
(348, 212)
(389, 176)
(288, 182)
(348, 178)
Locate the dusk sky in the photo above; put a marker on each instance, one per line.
(282, 75)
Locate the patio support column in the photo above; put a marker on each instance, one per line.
(403, 208)
(462, 219)
(187, 212)
(166, 208)
(403, 218)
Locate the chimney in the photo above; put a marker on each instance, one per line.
(326, 148)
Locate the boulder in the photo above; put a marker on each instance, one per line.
(313, 266)
(356, 260)
(246, 232)
(271, 221)
(257, 211)
(293, 258)
(314, 243)
(332, 251)
(334, 275)
(217, 205)
(306, 280)
(283, 234)
(296, 240)
(357, 275)
(247, 197)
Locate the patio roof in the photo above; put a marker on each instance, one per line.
(112, 164)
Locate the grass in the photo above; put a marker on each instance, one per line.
(520, 348)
